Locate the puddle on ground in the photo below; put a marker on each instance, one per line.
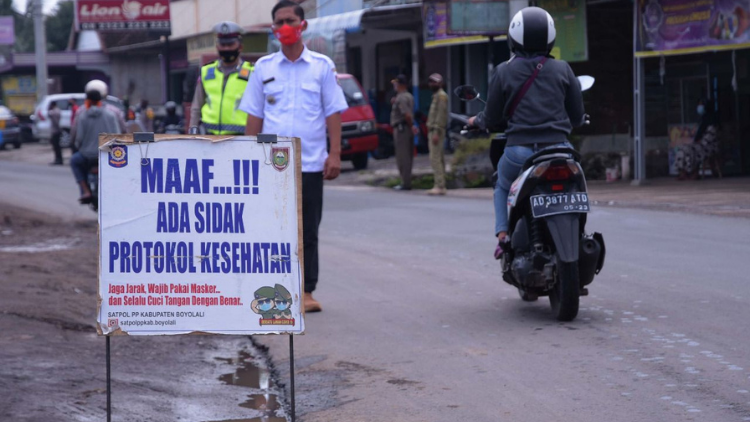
(265, 402)
(59, 244)
(250, 375)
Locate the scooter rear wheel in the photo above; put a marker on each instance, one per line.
(565, 295)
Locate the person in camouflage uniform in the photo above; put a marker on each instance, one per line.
(437, 121)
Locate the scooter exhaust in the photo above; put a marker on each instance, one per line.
(590, 257)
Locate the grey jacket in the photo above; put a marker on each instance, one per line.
(552, 106)
(89, 125)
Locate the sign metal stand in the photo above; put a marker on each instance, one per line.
(291, 373)
(146, 138)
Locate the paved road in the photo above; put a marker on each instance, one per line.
(49, 189)
(417, 325)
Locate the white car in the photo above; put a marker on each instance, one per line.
(41, 127)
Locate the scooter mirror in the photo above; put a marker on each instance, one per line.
(586, 82)
(466, 93)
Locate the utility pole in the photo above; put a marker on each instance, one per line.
(40, 49)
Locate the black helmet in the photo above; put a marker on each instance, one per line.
(532, 30)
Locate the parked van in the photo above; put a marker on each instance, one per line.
(359, 135)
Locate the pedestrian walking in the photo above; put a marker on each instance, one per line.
(402, 122)
(294, 92)
(221, 85)
(437, 122)
(73, 113)
(54, 118)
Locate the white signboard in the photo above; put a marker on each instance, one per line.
(199, 234)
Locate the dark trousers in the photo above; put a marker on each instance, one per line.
(404, 144)
(312, 213)
(81, 167)
(56, 147)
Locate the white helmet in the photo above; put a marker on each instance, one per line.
(532, 30)
(97, 85)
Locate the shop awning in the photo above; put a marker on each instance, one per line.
(329, 24)
(351, 21)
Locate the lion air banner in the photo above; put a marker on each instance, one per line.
(681, 27)
(116, 15)
(199, 235)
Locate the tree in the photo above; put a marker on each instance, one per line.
(59, 25)
(23, 24)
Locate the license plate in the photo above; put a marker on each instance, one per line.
(559, 203)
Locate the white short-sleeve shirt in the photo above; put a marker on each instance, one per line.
(294, 99)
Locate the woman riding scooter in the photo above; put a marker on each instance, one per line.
(534, 98)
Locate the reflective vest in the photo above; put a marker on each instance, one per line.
(220, 113)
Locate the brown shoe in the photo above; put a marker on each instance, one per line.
(311, 305)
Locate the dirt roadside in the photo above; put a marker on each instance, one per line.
(53, 362)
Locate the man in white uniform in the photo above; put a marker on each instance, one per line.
(294, 92)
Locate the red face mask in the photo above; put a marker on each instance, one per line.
(289, 35)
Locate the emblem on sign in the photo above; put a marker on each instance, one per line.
(273, 304)
(280, 158)
(118, 156)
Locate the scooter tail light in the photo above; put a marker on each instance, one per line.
(558, 173)
(40, 115)
(540, 170)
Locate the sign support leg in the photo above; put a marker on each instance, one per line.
(109, 385)
(291, 373)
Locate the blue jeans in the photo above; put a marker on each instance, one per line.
(508, 170)
(81, 166)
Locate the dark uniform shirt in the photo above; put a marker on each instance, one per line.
(402, 105)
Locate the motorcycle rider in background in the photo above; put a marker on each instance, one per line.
(172, 122)
(93, 119)
(543, 116)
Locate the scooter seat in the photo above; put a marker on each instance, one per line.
(550, 153)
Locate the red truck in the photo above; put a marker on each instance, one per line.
(359, 132)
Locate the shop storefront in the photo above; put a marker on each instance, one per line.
(696, 50)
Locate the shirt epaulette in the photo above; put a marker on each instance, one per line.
(318, 56)
(266, 58)
(244, 74)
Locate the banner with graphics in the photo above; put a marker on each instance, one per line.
(7, 31)
(435, 19)
(199, 235)
(681, 27)
(571, 43)
(118, 15)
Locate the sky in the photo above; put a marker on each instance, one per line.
(48, 5)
